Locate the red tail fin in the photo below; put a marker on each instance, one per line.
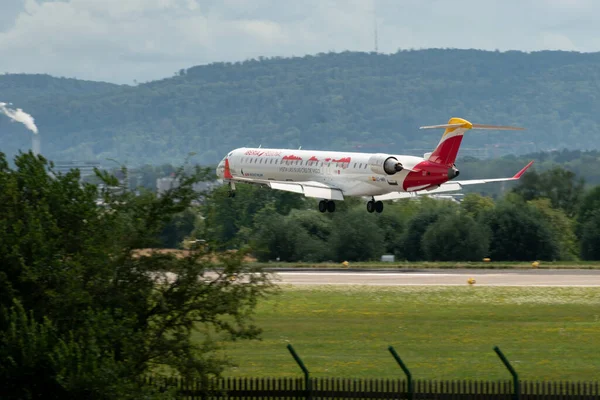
(447, 149)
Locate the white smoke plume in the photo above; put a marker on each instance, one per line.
(19, 116)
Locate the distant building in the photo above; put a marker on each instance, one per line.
(86, 168)
(164, 184)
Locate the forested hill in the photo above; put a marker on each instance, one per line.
(21, 89)
(351, 101)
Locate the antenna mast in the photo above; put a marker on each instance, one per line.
(375, 28)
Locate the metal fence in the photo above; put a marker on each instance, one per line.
(308, 388)
(397, 389)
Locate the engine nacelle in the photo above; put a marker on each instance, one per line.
(385, 164)
(453, 172)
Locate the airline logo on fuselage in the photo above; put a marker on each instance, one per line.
(260, 153)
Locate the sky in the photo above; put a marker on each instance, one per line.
(128, 41)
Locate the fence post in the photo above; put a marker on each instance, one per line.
(406, 371)
(517, 391)
(297, 358)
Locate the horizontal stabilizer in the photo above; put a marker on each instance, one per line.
(444, 126)
(498, 127)
(474, 126)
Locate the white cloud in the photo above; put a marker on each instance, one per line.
(553, 41)
(123, 40)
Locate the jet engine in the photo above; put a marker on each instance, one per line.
(453, 172)
(385, 164)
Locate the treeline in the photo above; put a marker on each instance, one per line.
(549, 215)
(346, 101)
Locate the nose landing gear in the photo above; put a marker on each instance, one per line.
(231, 189)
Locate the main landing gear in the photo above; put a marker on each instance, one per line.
(373, 205)
(327, 205)
(231, 190)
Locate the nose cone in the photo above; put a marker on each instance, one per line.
(221, 169)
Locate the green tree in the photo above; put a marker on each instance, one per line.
(38, 362)
(474, 204)
(271, 239)
(75, 269)
(590, 204)
(311, 231)
(590, 238)
(455, 237)
(302, 235)
(519, 232)
(430, 212)
(178, 228)
(561, 227)
(355, 236)
(228, 221)
(391, 223)
(563, 188)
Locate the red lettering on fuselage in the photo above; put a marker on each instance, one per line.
(292, 157)
(342, 160)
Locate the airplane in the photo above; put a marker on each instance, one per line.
(332, 176)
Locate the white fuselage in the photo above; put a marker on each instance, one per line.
(356, 174)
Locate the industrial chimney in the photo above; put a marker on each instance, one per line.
(36, 145)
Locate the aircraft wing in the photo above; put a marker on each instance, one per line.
(395, 196)
(480, 181)
(406, 195)
(308, 188)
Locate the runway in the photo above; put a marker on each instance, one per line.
(459, 277)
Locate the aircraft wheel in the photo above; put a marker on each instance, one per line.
(379, 206)
(231, 194)
(323, 206)
(331, 206)
(370, 206)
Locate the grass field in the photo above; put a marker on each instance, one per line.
(440, 332)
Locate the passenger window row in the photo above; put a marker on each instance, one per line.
(251, 160)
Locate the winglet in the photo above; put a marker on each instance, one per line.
(521, 172)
